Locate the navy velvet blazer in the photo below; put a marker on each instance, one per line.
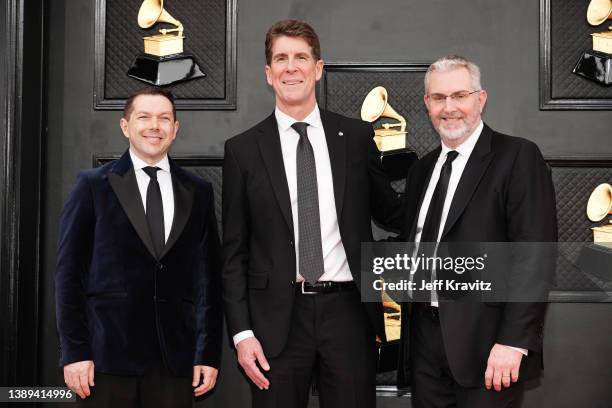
(117, 303)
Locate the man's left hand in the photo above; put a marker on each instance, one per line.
(210, 378)
(502, 367)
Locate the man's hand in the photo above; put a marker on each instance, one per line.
(79, 377)
(249, 354)
(502, 367)
(210, 378)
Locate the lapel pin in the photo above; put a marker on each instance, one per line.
(340, 133)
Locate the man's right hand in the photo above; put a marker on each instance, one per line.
(249, 354)
(79, 377)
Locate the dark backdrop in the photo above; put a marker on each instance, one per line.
(502, 37)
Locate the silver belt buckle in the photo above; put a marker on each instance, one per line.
(305, 292)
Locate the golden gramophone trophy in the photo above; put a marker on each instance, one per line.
(163, 61)
(396, 156)
(598, 208)
(595, 259)
(596, 64)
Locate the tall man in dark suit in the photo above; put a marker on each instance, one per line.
(299, 189)
(138, 304)
(479, 186)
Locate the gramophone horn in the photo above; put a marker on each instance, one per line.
(152, 11)
(376, 105)
(600, 202)
(149, 13)
(599, 11)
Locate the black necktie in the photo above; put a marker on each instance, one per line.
(155, 210)
(431, 227)
(309, 221)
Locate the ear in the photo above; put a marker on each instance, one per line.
(426, 101)
(177, 125)
(482, 99)
(123, 124)
(268, 72)
(319, 69)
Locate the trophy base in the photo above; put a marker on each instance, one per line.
(596, 66)
(163, 71)
(396, 162)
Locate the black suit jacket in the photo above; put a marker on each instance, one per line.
(258, 239)
(117, 303)
(505, 194)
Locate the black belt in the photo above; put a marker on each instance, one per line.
(306, 288)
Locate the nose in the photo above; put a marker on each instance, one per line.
(154, 123)
(448, 104)
(291, 65)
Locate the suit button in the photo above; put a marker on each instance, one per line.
(161, 267)
(291, 243)
(292, 283)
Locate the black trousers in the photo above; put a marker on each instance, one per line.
(331, 340)
(155, 389)
(433, 385)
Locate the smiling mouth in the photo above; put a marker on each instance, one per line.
(153, 137)
(292, 82)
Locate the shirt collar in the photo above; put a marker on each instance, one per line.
(465, 148)
(138, 163)
(285, 121)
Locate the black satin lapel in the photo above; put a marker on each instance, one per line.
(270, 149)
(477, 164)
(336, 146)
(126, 189)
(183, 202)
(424, 179)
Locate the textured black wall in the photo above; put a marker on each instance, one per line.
(501, 36)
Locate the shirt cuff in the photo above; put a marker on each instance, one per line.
(245, 334)
(520, 350)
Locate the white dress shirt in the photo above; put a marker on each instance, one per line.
(335, 263)
(165, 185)
(458, 165)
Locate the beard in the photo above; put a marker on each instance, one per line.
(462, 129)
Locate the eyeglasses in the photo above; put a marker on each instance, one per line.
(457, 97)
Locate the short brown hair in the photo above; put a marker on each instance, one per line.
(129, 103)
(293, 28)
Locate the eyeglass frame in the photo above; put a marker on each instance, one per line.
(456, 97)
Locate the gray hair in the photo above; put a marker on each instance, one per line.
(452, 62)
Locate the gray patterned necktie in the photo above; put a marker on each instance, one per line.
(309, 221)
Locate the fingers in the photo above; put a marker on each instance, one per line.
(196, 376)
(261, 359)
(84, 382)
(91, 376)
(255, 375)
(489, 377)
(502, 367)
(514, 374)
(249, 353)
(210, 379)
(79, 376)
(505, 379)
(75, 385)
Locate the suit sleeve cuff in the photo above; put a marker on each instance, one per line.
(245, 334)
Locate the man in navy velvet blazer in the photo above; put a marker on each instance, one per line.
(137, 294)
